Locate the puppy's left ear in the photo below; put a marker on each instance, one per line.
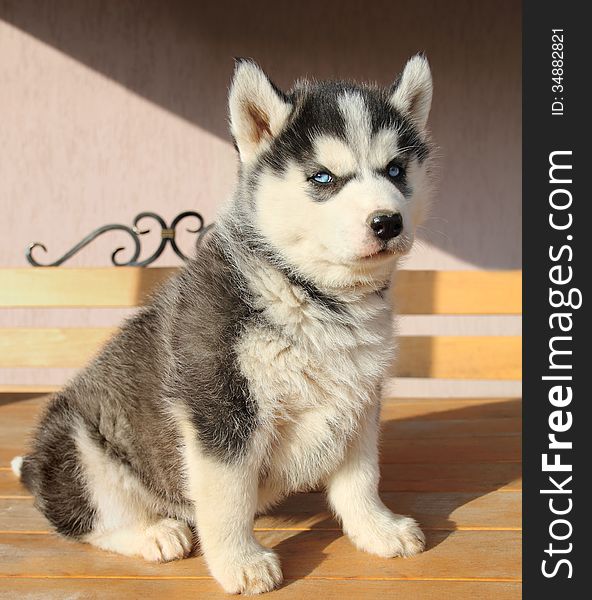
(412, 92)
(258, 110)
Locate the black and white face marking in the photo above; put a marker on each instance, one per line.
(325, 183)
(342, 153)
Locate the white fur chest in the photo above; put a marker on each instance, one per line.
(314, 373)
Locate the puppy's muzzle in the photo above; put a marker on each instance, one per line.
(385, 226)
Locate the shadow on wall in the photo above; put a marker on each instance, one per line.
(178, 55)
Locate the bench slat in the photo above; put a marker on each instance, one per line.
(28, 388)
(58, 287)
(417, 292)
(50, 347)
(446, 357)
(458, 293)
(460, 357)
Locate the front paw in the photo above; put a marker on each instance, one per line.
(388, 535)
(254, 573)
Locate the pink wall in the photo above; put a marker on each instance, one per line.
(111, 108)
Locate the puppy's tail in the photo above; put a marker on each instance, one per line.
(17, 465)
(21, 467)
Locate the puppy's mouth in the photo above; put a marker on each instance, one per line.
(380, 254)
(397, 247)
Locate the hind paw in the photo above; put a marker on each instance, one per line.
(167, 540)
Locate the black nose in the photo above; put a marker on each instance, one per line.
(386, 226)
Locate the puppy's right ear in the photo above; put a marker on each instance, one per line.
(412, 92)
(258, 110)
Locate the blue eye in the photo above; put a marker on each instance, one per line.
(322, 177)
(394, 171)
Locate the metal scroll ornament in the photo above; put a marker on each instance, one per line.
(167, 235)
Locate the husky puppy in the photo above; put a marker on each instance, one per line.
(256, 371)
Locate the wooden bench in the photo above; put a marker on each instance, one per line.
(453, 463)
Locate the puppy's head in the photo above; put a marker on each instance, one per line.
(334, 176)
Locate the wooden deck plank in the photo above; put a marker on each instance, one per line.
(433, 510)
(396, 429)
(393, 451)
(439, 466)
(441, 428)
(464, 421)
(420, 408)
(451, 408)
(451, 477)
(468, 478)
(450, 450)
(446, 431)
(26, 407)
(456, 555)
(124, 589)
